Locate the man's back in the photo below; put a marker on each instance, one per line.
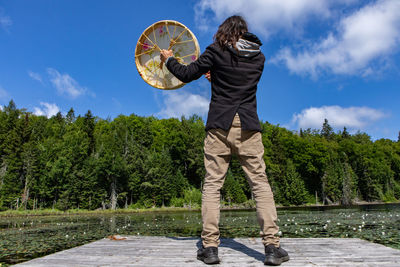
(235, 74)
(234, 79)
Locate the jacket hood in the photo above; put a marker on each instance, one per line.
(247, 46)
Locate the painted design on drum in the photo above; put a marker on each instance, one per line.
(164, 35)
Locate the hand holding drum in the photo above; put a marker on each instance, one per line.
(165, 54)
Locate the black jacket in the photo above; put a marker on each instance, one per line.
(234, 78)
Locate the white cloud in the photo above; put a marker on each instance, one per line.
(266, 16)
(47, 110)
(5, 21)
(35, 76)
(366, 36)
(3, 93)
(65, 84)
(1, 108)
(338, 117)
(181, 103)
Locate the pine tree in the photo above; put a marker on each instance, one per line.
(70, 116)
(327, 130)
(345, 133)
(347, 185)
(331, 181)
(88, 127)
(294, 189)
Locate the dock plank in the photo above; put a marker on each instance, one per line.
(181, 251)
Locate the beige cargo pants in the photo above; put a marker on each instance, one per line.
(219, 145)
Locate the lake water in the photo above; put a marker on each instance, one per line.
(26, 237)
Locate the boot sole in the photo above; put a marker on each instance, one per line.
(213, 260)
(275, 261)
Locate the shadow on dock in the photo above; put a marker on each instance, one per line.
(229, 243)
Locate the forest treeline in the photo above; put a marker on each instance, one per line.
(86, 162)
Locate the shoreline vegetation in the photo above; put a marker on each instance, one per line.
(132, 163)
(50, 212)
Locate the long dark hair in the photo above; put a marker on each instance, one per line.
(230, 31)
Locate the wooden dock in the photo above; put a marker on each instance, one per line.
(181, 251)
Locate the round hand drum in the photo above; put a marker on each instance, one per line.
(165, 34)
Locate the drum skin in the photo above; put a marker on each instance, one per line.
(165, 34)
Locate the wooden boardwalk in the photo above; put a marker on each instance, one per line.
(181, 251)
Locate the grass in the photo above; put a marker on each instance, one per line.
(224, 206)
(46, 212)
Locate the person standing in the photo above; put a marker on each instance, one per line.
(234, 65)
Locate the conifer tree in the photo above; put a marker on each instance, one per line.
(293, 189)
(327, 130)
(70, 116)
(345, 133)
(88, 127)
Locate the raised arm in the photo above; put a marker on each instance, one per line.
(191, 72)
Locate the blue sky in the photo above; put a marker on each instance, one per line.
(334, 59)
